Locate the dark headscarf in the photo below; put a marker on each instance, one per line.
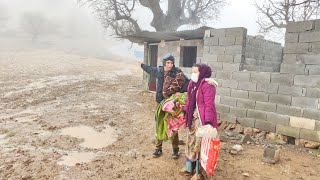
(205, 72)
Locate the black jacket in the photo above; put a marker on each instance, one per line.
(159, 74)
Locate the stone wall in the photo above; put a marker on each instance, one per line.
(262, 55)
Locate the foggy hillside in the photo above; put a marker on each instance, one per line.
(61, 25)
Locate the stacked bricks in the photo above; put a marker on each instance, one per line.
(302, 48)
(262, 55)
(270, 102)
(224, 48)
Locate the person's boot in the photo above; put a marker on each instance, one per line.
(157, 153)
(175, 153)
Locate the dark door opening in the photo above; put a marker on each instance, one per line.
(188, 55)
(153, 57)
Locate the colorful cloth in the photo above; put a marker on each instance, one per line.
(169, 116)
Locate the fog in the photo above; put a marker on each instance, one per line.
(62, 25)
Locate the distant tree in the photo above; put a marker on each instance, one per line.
(37, 24)
(117, 15)
(274, 15)
(4, 16)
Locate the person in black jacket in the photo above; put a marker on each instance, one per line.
(170, 80)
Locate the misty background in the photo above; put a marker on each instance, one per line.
(61, 25)
(74, 28)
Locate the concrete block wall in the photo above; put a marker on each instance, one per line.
(224, 48)
(285, 102)
(262, 55)
(302, 48)
(269, 101)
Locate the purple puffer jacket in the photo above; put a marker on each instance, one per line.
(206, 101)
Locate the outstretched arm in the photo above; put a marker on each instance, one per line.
(153, 71)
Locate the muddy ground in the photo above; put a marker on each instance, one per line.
(64, 116)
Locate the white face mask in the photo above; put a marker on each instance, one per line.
(195, 77)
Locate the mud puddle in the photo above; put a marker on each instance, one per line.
(92, 138)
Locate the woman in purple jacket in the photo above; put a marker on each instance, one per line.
(200, 110)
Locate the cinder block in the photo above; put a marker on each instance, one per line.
(240, 41)
(309, 36)
(239, 112)
(313, 92)
(268, 88)
(249, 67)
(313, 69)
(280, 99)
(310, 80)
(216, 66)
(226, 100)
(223, 108)
(291, 37)
(278, 119)
(210, 57)
(206, 49)
(288, 131)
(271, 155)
(224, 91)
(239, 94)
(225, 58)
(300, 122)
(311, 114)
(290, 59)
(310, 59)
(234, 50)
(250, 61)
(290, 90)
(228, 117)
(289, 110)
(249, 86)
(296, 48)
(236, 31)
(266, 106)
(284, 79)
(317, 128)
(230, 84)
(260, 77)
(238, 58)
(299, 26)
(256, 114)
(224, 74)
(241, 76)
(266, 126)
(246, 103)
(218, 32)
(293, 68)
(247, 122)
(211, 41)
(305, 102)
(231, 67)
(227, 41)
(217, 50)
(258, 96)
(310, 135)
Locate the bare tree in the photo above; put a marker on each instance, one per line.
(274, 15)
(36, 24)
(117, 15)
(4, 16)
